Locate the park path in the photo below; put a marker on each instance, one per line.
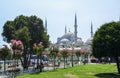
(3, 76)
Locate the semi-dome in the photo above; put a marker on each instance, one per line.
(89, 41)
(64, 40)
(79, 41)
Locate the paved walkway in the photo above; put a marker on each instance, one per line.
(3, 76)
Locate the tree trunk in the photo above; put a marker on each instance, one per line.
(25, 65)
(54, 62)
(78, 60)
(72, 60)
(24, 62)
(41, 64)
(25, 59)
(37, 62)
(118, 64)
(64, 62)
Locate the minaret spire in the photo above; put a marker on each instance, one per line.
(75, 19)
(119, 18)
(91, 29)
(65, 30)
(45, 25)
(75, 26)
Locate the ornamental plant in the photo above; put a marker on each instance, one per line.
(78, 54)
(85, 52)
(4, 53)
(38, 48)
(17, 47)
(64, 55)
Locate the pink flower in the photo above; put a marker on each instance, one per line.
(13, 42)
(16, 44)
(40, 45)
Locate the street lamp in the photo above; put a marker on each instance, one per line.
(72, 53)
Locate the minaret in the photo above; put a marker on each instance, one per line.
(45, 25)
(75, 26)
(65, 30)
(119, 18)
(91, 29)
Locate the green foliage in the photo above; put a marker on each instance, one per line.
(78, 53)
(64, 53)
(29, 30)
(23, 34)
(4, 52)
(106, 41)
(38, 49)
(54, 51)
(8, 30)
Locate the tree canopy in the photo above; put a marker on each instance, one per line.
(29, 30)
(106, 41)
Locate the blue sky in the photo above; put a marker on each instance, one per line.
(61, 13)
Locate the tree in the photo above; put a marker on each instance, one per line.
(53, 53)
(106, 42)
(38, 49)
(29, 30)
(17, 48)
(24, 35)
(65, 55)
(4, 53)
(78, 54)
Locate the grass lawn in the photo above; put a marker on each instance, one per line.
(83, 71)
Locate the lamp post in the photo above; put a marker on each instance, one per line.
(72, 54)
(53, 54)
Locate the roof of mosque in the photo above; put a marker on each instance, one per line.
(69, 34)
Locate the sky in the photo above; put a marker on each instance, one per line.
(61, 13)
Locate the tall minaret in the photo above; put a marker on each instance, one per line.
(65, 30)
(75, 26)
(119, 18)
(45, 25)
(91, 29)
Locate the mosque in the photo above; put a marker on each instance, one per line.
(70, 39)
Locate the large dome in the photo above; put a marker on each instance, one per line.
(68, 35)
